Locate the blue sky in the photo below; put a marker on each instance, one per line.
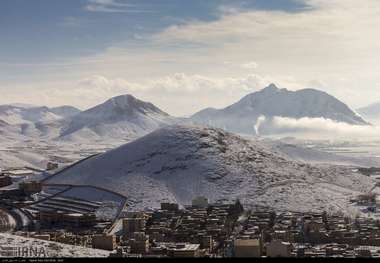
(81, 52)
(45, 30)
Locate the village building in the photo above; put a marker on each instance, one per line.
(139, 243)
(132, 225)
(51, 166)
(184, 250)
(169, 206)
(104, 241)
(31, 187)
(59, 219)
(200, 201)
(247, 248)
(278, 248)
(5, 180)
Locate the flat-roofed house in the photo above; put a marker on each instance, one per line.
(247, 248)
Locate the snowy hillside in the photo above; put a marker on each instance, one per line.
(120, 117)
(65, 111)
(272, 101)
(178, 163)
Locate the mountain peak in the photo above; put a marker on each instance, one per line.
(128, 104)
(270, 89)
(123, 100)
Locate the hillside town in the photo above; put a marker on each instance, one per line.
(201, 229)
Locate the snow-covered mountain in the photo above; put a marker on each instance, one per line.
(31, 121)
(178, 163)
(122, 118)
(371, 112)
(272, 101)
(16, 115)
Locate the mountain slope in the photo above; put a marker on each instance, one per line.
(371, 112)
(120, 117)
(65, 111)
(178, 163)
(271, 101)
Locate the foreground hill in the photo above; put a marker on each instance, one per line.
(178, 163)
(272, 101)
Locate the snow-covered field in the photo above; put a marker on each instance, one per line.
(315, 156)
(40, 248)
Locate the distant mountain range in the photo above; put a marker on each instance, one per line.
(125, 117)
(19, 120)
(121, 118)
(241, 116)
(22, 114)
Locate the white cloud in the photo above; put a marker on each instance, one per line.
(333, 46)
(250, 65)
(114, 6)
(330, 41)
(178, 94)
(318, 128)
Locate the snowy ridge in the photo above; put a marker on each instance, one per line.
(18, 114)
(178, 163)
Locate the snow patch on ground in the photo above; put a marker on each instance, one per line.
(51, 249)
